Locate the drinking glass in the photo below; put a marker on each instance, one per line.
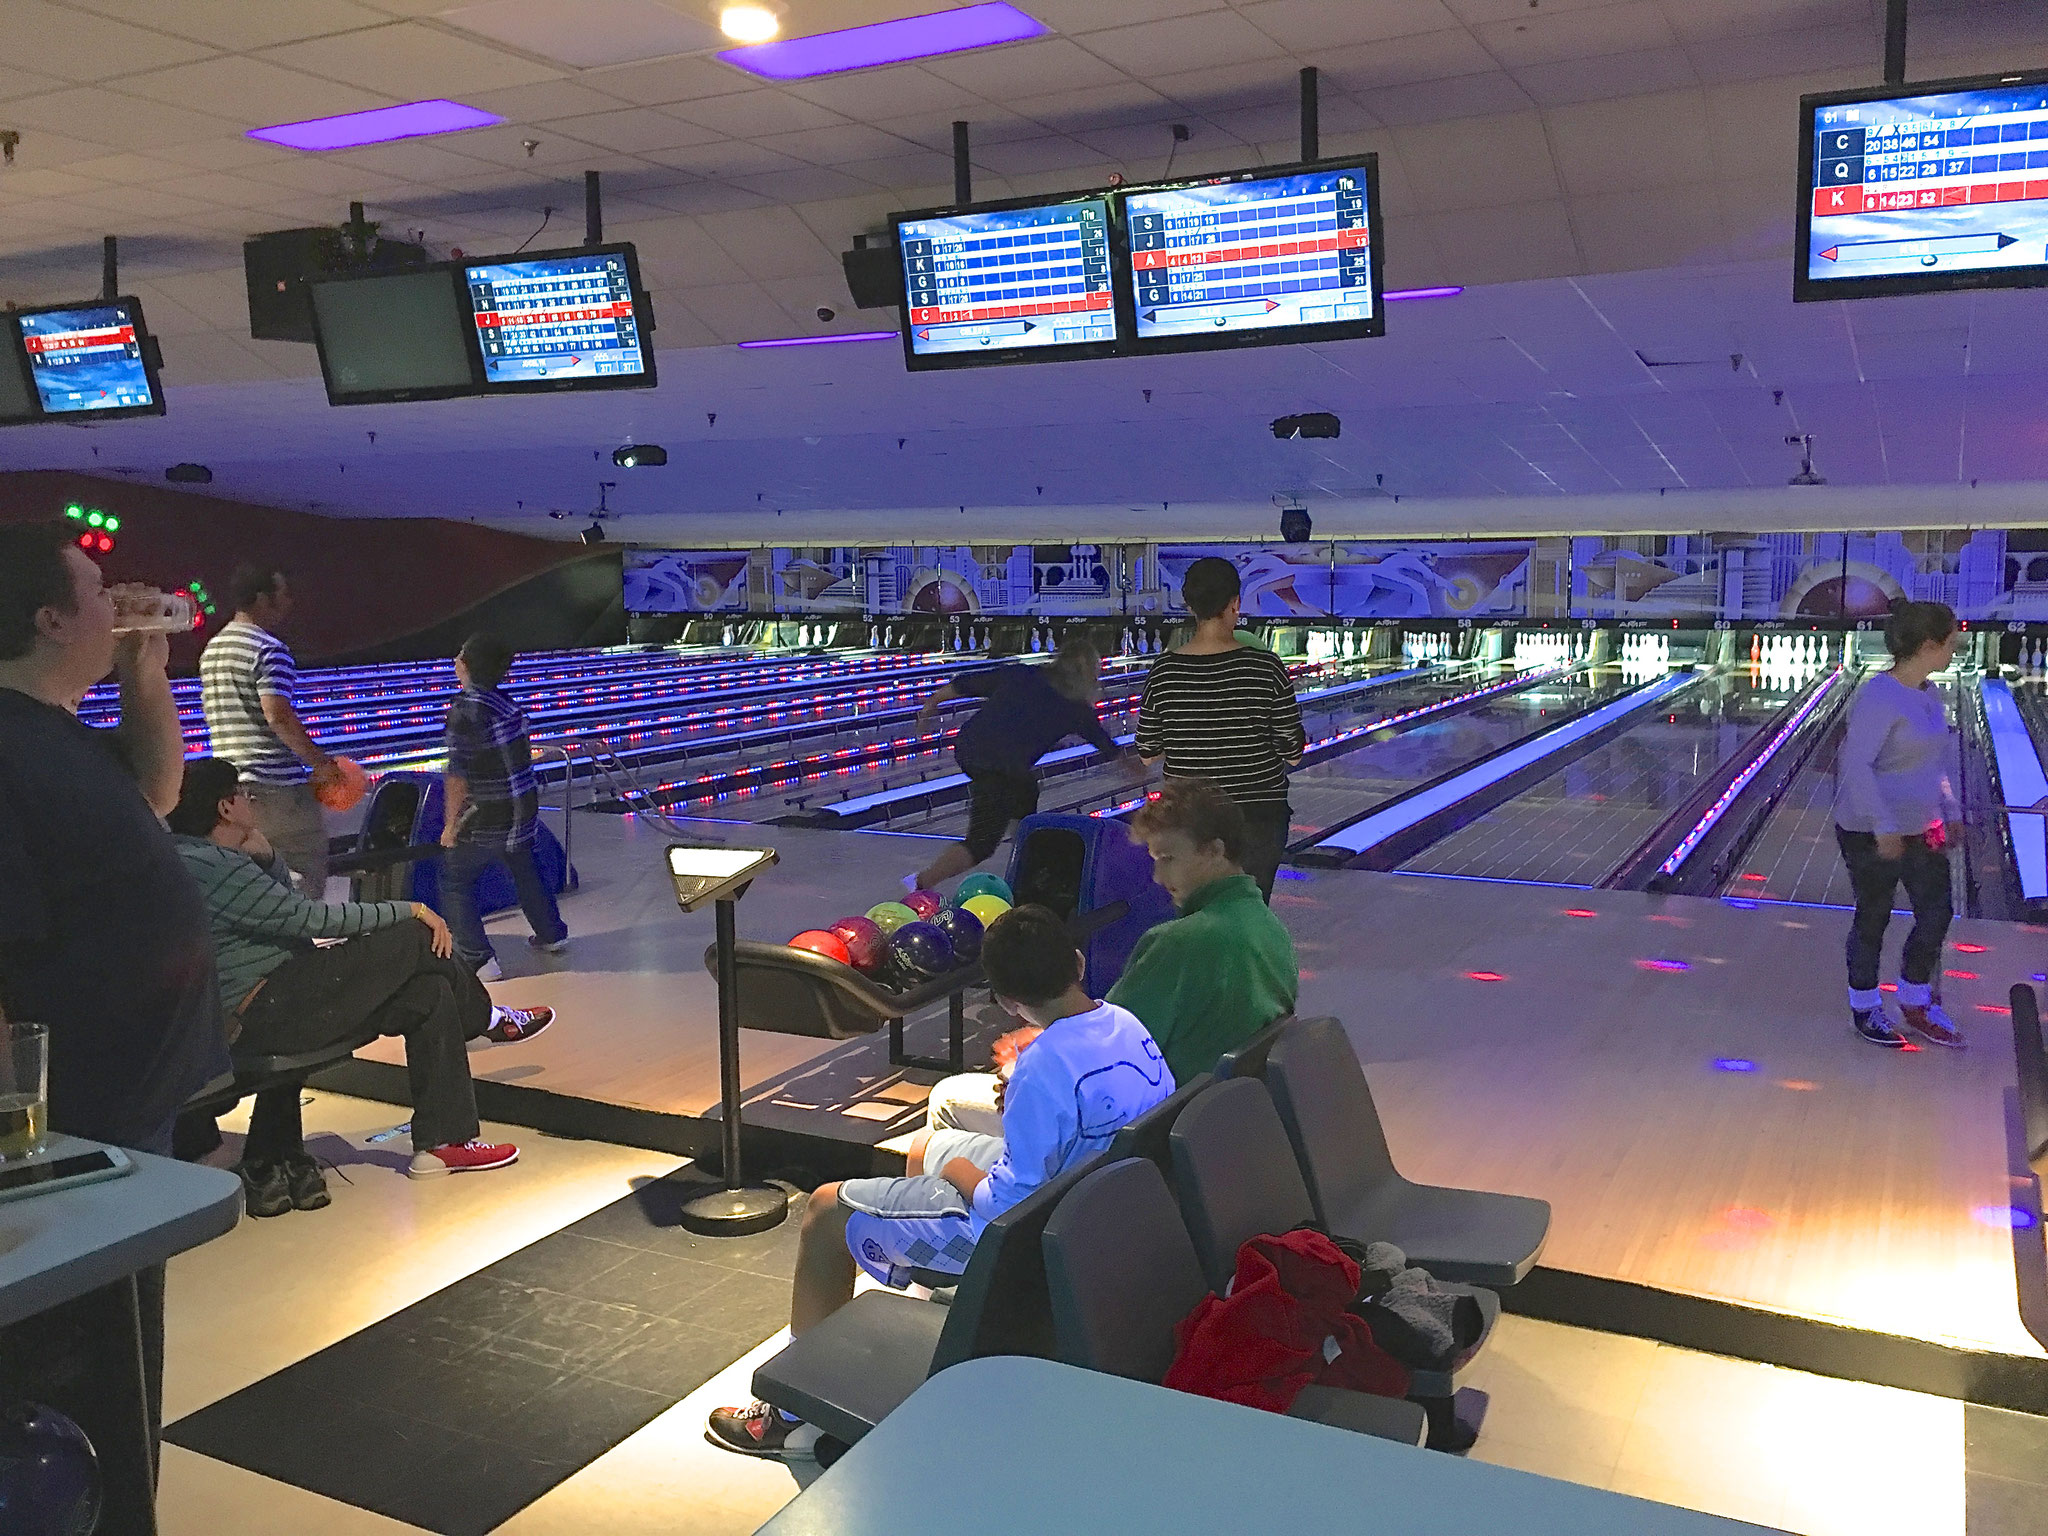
(24, 1089)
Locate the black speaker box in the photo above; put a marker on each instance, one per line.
(275, 267)
(874, 276)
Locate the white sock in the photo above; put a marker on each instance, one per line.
(1915, 994)
(1862, 1001)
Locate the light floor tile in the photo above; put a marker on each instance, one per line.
(275, 1291)
(198, 1496)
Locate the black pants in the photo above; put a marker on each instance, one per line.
(1267, 829)
(1924, 871)
(385, 983)
(994, 801)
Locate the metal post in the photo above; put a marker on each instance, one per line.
(1895, 42)
(1312, 118)
(593, 210)
(110, 269)
(963, 169)
(735, 1210)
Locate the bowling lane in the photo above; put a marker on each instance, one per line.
(1575, 826)
(1349, 785)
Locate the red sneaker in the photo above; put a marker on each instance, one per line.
(511, 1025)
(466, 1157)
(1932, 1024)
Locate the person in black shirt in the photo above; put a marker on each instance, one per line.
(1026, 712)
(1222, 710)
(103, 936)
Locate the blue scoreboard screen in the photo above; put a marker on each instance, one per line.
(1007, 284)
(558, 319)
(88, 358)
(1211, 261)
(1925, 192)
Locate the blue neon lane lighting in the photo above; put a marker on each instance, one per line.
(1370, 831)
(2022, 782)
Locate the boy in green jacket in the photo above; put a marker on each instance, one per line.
(1203, 983)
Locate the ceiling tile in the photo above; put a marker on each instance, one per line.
(681, 249)
(1476, 12)
(875, 93)
(1541, 37)
(218, 187)
(1762, 55)
(1670, 227)
(1477, 162)
(20, 82)
(584, 34)
(1751, 131)
(126, 121)
(228, 153)
(237, 25)
(1021, 157)
(409, 61)
(772, 242)
(934, 130)
(809, 184)
(506, 145)
(1074, 17)
(1437, 100)
(252, 92)
(837, 146)
(670, 80)
(724, 157)
(1645, 141)
(737, 311)
(924, 168)
(125, 169)
(1406, 60)
(1025, 69)
(1701, 19)
(1096, 106)
(1311, 27)
(547, 99)
(704, 197)
(1258, 83)
(1189, 42)
(1602, 79)
(634, 130)
(756, 114)
(78, 46)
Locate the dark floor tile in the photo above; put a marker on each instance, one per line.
(578, 1419)
(663, 1284)
(670, 1358)
(1999, 1506)
(1997, 1443)
(568, 1334)
(486, 1394)
(650, 1219)
(477, 1489)
(560, 1262)
(744, 1306)
(479, 1304)
(314, 1440)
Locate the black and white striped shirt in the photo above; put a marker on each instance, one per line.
(238, 667)
(1231, 717)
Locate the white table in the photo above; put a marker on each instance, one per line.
(90, 1241)
(1017, 1447)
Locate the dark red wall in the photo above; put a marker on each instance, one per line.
(384, 588)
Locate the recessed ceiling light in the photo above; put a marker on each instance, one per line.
(888, 42)
(749, 23)
(412, 120)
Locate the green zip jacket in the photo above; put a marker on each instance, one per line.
(1213, 977)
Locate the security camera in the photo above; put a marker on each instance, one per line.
(826, 312)
(1310, 424)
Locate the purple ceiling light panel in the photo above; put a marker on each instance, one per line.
(413, 120)
(887, 42)
(821, 341)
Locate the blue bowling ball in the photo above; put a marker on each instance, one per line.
(920, 951)
(964, 929)
(49, 1475)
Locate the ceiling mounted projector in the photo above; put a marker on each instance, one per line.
(594, 534)
(640, 456)
(1295, 526)
(1312, 424)
(1806, 476)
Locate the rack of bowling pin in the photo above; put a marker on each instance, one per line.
(1645, 653)
(1335, 644)
(1790, 656)
(1428, 647)
(2033, 659)
(1546, 648)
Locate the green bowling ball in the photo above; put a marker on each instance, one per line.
(890, 915)
(983, 885)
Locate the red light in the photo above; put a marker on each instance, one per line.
(1484, 976)
(1992, 1008)
(1580, 912)
(105, 545)
(1970, 949)
(85, 541)
(1752, 875)
(1960, 975)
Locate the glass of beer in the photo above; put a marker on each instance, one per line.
(24, 1089)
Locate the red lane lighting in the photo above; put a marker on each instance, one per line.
(1960, 975)
(1992, 1008)
(1580, 912)
(1970, 949)
(1484, 976)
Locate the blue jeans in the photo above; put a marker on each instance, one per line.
(460, 869)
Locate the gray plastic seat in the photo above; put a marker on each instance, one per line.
(1236, 1176)
(1326, 1105)
(1147, 1135)
(1122, 1273)
(1249, 1059)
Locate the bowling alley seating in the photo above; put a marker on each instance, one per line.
(1236, 1177)
(2031, 1062)
(1249, 1059)
(1121, 1273)
(1323, 1100)
(258, 1073)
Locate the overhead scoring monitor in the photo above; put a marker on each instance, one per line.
(1924, 189)
(1006, 283)
(572, 319)
(90, 358)
(1255, 257)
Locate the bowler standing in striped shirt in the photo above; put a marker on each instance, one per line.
(247, 680)
(1219, 709)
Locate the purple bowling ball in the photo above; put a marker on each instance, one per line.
(920, 951)
(49, 1475)
(964, 929)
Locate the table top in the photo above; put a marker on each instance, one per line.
(60, 1245)
(1009, 1445)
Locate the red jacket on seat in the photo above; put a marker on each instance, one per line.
(1283, 1325)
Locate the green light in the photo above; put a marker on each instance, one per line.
(94, 519)
(113, 524)
(74, 510)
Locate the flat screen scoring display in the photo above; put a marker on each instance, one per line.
(89, 358)
(1004, 280)
(1214, 260)
(556, 317)
(1931, 191)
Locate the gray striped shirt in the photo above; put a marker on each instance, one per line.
(238, 667)
(1230, 716)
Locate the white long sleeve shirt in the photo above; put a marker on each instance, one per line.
(1893, 771)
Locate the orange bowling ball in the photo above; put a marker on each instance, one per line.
(341, 790)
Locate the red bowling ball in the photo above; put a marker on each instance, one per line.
(923, 903)
(822, 941)
(866, 944)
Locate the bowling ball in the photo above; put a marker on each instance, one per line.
(865, 943)
(923, 903)
(985, 907)
(984, 885)
(963, 928)
(890, 915)
(822, 941)
(343, 788)
(49, 1475)
(920, 951)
